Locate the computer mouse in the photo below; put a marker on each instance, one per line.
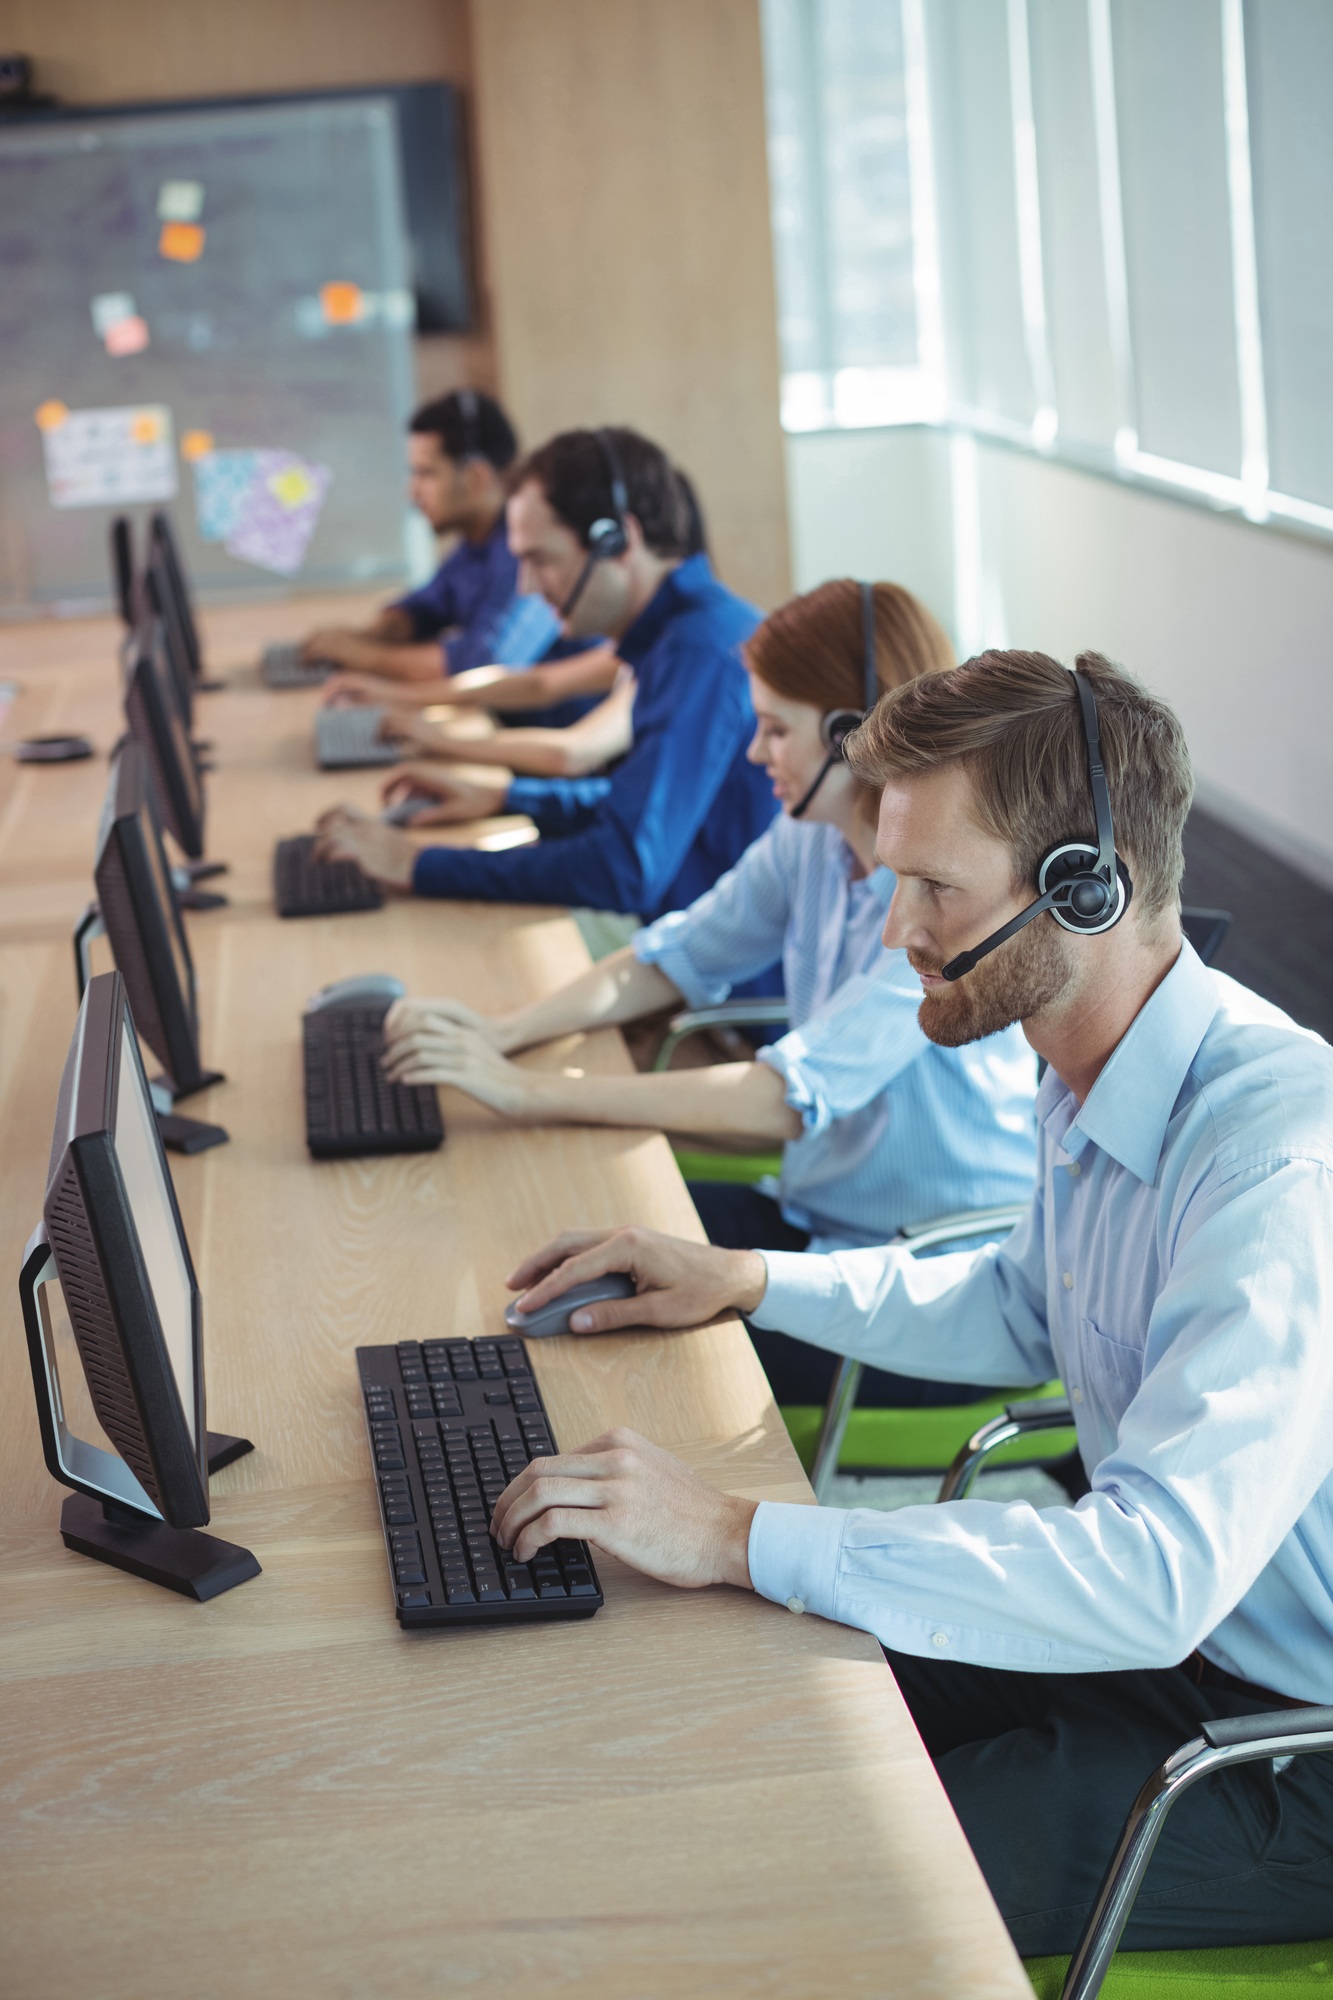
(363, 989)
(554, 1318)
(403, 811)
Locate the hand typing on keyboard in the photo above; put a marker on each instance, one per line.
(635, 1501)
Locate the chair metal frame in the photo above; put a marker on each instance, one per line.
(847, 1376)
(1220, 1744)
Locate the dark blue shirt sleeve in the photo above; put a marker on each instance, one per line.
(623, 852)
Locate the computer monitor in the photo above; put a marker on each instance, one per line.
(136, 908)
(155, 722)
(160, 602)
(162, 541)
(112, 1237)
(122, 568)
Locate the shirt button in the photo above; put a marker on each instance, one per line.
(1078, 1395)
(796, 1604)
(1069, 1281)
(939, 1638)
(1075, 1169)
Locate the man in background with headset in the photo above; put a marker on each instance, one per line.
(602, 526)
(1175, 1269)
(471, 613)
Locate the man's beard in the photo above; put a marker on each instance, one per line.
(1019, 979)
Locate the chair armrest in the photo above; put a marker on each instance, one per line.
(1234, 1732)
(730, 1014)
(956, 1228)
(1242, 1739)
(1047, 1413)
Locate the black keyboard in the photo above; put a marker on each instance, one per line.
(304, 887)
(451, 1422)
(351, 1108)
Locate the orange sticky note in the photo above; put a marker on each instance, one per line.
(50, 416)
(145, 427)
(182, 242)
(196, 444)
(341, 302)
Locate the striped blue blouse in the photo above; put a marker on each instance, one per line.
(897, 1130)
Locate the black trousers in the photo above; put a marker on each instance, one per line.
(740, 1218)
(1041, 1770)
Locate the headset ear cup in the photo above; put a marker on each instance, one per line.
(606, 539)
(837, 726)
(1074, 863)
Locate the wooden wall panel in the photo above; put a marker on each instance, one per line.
(105, 51)
(624, 195)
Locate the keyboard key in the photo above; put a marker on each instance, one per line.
(414, 1600)
(458, 1593)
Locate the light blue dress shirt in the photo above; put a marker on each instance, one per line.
(896, 1129)
(1176, 1269)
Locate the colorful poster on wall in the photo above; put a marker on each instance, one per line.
(280, 512)
(108, 458)
(221, 481)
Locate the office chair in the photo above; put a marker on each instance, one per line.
(916, 1440)
(1239, 1972)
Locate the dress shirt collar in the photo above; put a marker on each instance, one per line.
(1129, 1107)
(681, 582)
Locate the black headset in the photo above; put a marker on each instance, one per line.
(837, 725)
(607, 536)
(1087, 889)
(469, 417)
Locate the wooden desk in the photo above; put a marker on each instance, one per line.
(280, 1793)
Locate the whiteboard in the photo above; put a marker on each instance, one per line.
(208, 310)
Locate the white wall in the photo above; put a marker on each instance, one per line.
(1232, 623)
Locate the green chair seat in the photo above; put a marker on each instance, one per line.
(738, 1169)
(1234, 1972)
(925, 1440)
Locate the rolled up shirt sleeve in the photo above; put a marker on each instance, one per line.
(733, 931)
(853, 1047)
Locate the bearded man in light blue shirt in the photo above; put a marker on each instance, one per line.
(1175, 1268)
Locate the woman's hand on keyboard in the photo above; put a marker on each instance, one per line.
(436, 1049)
(635, 1501)
(677, 1283)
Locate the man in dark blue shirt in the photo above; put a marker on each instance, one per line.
(601, 525)
(470, 614)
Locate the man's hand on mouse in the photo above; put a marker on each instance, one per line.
(455, 798)
(635, 1501)
(677, 1284)
(435, 1049)
(382, 852)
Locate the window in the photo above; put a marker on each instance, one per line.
(1095, 228)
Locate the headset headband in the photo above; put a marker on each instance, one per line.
(868, 661)
(469, 416)
(1088, 896)
(615, 479)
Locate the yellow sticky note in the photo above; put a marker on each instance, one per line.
(342, 302)
(50, 416)
(196, 444)
(182, 242)
(145, 427)
(291, 487)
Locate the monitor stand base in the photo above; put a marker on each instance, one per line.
(207, 1078)
(223, 1449)
(182, 1559)
(200, 871)
(188, 1135)
(210, 687)
(201, 899)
